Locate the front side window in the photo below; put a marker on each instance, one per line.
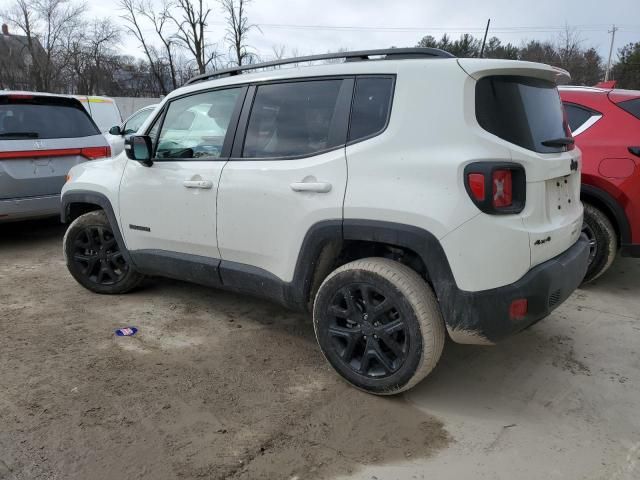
(371, 107)
(196, 126)
(293, 119)
(136, 121)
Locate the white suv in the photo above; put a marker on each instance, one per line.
(399, 195)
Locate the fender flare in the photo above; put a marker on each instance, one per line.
(101, 200)
(614, 208)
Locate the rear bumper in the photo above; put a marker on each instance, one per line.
(483, 317)
(630, 250)
(31, 207)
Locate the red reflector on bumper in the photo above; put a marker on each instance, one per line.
(518, 309)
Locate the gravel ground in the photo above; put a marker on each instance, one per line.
(217, 385)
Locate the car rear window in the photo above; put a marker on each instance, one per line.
(44, 118)
(578, 116)
(522, 110)
(632, 106)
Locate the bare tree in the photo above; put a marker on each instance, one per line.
(159, 21)
(191, 19)
(46, 24)
(131, 9)
(238, 28)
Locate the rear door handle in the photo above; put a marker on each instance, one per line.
(204, 184)
(318, 187)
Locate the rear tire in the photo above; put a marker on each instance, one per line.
(603, 242)
(94, 257)
(379, 325)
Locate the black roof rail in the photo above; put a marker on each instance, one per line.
(388, 54)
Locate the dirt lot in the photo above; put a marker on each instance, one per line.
(216, 385)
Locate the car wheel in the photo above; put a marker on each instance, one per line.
(379, 325)
(603, 242)
(94, 257)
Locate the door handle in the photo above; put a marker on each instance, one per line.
(318, 187)
(204, 184)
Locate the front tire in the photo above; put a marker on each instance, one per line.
(603, 242)
(379, 325)
(94, 258)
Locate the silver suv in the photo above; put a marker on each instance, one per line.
(41, 137)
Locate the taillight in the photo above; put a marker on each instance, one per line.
(476, 185)
(496, 187)
(93, 153)
(502, 181)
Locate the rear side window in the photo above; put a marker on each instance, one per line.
(631, 106)
(578, 116)
(293, 119)
(522, 110)
(371, 107)
(44, 118)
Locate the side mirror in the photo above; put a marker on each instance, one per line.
(139, 148)
(115, 130)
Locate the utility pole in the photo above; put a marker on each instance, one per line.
(613, 36)
(484, 41)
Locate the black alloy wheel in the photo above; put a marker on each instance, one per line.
(368, 331)
(98, 256)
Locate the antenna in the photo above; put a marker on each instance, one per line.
(484, 41)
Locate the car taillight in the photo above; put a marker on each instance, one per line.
(93, 153)
(502, 188)
(20, 96)
(496, 188)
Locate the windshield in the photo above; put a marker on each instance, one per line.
(522, 110)
(43, 118)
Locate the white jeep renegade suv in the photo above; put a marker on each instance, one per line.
(398, 195)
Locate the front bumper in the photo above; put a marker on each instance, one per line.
(483, 317)
(31, 207)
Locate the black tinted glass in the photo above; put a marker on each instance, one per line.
(19, 120)
(577, 115)
(522, 110)
(631, 106)
(291, 119)
(371, 107)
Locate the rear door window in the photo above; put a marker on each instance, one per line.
(294, 119)
(371, 107)
(577, 116)
(44, 118)
(522, 110)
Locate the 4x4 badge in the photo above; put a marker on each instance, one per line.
(574, 164)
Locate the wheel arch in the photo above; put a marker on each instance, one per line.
(76, 203)
(611, 208)
(329, 245)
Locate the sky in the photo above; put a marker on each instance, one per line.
(318, 26)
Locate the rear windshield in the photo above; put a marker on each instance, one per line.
(44, 118)
(631, 106)
(522, 110)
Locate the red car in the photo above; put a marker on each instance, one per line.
(606, 125)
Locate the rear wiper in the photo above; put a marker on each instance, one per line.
(559, 142)
(20, 134)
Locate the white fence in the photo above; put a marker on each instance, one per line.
(130, 105)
